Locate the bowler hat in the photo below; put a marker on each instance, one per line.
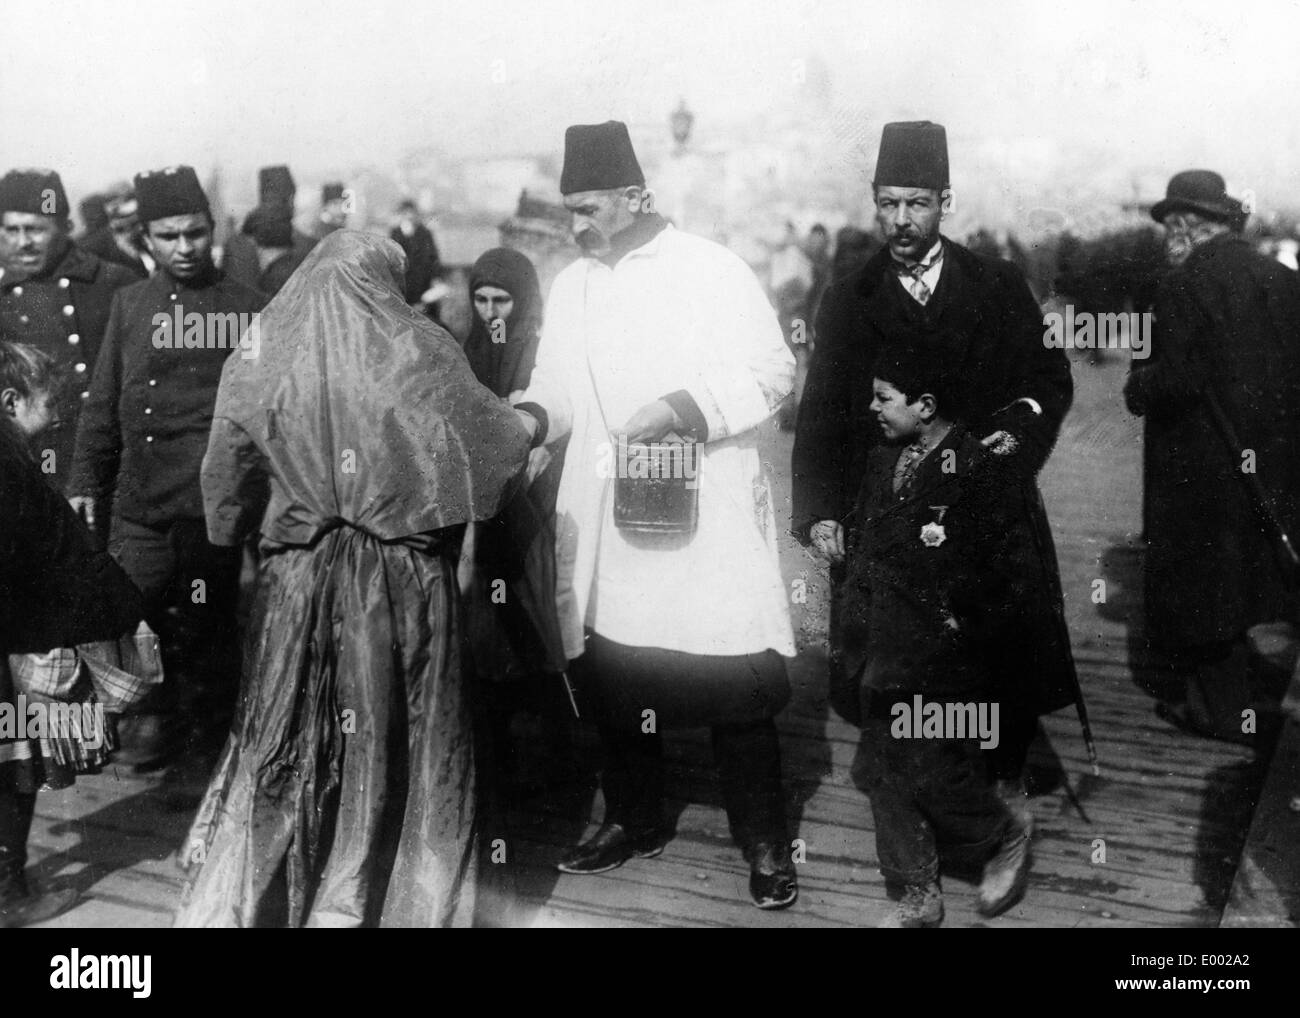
(1201, 191)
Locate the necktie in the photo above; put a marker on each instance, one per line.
(921, 292)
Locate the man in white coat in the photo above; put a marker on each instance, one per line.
(656, 333)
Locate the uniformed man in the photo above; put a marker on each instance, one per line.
(144, 432)
(53, 295)
(252, 253)
(978, 316)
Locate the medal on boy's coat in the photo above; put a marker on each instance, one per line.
(933, 534)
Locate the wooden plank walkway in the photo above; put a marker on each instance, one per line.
(1170, 811)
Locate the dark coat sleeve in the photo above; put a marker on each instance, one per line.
(57, 588)
(1172, 379)
(823, 443)
(1036, 371)
(99, 434)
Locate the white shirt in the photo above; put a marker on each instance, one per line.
(930, 277)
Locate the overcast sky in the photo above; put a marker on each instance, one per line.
(101, 90)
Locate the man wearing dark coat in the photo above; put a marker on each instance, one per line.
(423, 263)
(269, 248)
(1227, 330)
(53, 296)
(144, 432)
(978, 316)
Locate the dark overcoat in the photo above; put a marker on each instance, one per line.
(984, 324)
(1227, 318)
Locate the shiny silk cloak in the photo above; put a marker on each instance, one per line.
(357, 441)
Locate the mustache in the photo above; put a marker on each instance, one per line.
(589, 240)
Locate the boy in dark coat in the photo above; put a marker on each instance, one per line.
(56, 590)
(935, 582)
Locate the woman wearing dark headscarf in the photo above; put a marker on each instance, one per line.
(353, 435)
(508, 567)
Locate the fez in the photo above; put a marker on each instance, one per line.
(39, 192)
(331, 192)
(275, 186)
(599, 157)
(913, 153)
(1200, 191)
(174, 191)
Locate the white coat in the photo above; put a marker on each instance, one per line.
(679, 312)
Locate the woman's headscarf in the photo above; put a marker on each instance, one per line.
(366, 412)
(505, 367)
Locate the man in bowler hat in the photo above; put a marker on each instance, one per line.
(1226, 342)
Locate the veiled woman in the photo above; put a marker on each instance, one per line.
(357, 441)
(513, 634)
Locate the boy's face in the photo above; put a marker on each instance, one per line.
(899, 420)
(33, 414)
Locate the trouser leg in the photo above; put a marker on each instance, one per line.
(206, 582)
(1218, 687)
(16, 812)
(749, 766)
(633, 778)
(887, 769)
(1016, 733)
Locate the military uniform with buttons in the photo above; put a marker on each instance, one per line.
(62, 311)
(140, 448)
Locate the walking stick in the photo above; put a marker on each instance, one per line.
(1259, 496)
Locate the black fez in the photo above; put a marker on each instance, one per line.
(275, 185)
(331, 192)
(1201, 191)
(599, 157)
(39, 192)
(174, 191)
(913, 153)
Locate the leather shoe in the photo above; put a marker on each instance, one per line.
(1005, 875)
(772, 879)
(37, 907)
(610, 847)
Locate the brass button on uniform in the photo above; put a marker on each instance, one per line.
(64, 282)
(148, 409)
(24, 319)
(148, 438)
(69, 310)
(74, 339)
(153, 381)
(79, 367)
(18, 291)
